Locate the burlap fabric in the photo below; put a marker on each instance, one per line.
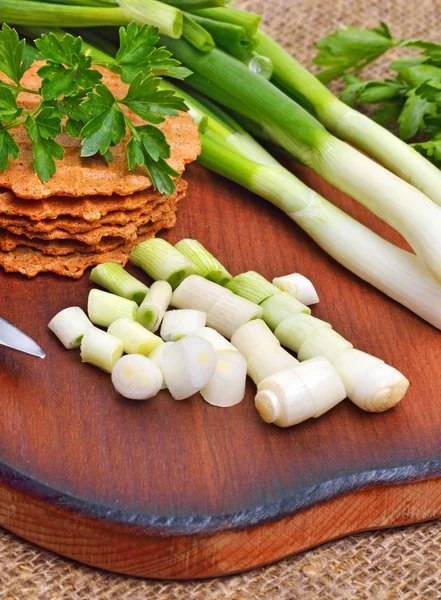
(403, 564)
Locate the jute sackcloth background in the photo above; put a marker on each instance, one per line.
(402, 564)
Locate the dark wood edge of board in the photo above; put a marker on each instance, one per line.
(98, 543)
(162, 525)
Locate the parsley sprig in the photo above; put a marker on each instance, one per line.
(71, 90)
(409, 98)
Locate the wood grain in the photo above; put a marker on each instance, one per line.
(166, 489)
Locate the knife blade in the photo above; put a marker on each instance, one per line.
(11, 337)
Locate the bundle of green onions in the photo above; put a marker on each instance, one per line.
(224, 74)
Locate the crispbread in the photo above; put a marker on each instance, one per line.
(30, 262)
(76, 176)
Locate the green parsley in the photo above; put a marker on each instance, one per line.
(72, 90)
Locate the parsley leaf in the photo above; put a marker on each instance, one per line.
(431, 150)
(137, 53)
(8, 106)
(44, 147)
(107, 126)
(415, 110)
(67, 68)
(8, 148)
(351, 49)
(151, 104)
(370, 92)
(12, 60)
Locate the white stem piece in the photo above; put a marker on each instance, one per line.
(227, 386)
(153, 307)
(263, 363)
(156, 356)
(178, 323)
(292, 332)
(255, 336)
(323, 342)
(162, 261)
(115, 279)
(69, 325)
(299, 286)
(252, 286)
(136, 377)
(230, 312)
(104, 308)
(198, 293)
(292, 396)
(100, 349)
(370, 383)
(188, 366)
(279, 307)
(135, 338)
(217, 340)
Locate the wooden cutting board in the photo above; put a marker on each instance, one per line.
(182, 489)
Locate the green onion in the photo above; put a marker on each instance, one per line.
(176, 324)
(135, 338)
(252, 286)
(198, 293)
(208, 266)
(197, 35)
(196, 4)
(405, 208)
(234, 16)
(152, 310)
(100, 349)
(231, 312)
(114, 278)
(162, 261)
(254, 336)
(104, 308)
(69, 326)
(298, 286)
(227, 385)
(136, 377)
(348, 123)
(292, 332)
(168, 19)
(261, 65)
(233, 38)
(323, 342)
(280, 306)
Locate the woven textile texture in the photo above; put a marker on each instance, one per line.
(402, 564)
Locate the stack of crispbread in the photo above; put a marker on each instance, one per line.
(88, 212)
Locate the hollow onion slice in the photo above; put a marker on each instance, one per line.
(227, 385)
(254, 336)
(100, 349)
(187, 366)
(115, 279)
(69, 325)
(104, 308)
(198, 293)
(252, 286)
(230, 312)
(298, 286)
(217, 340)
(153, 307)
(178, 323)
(135, 338)
(136, 377)
(156, 356)
(162, 261)
(263, 363)
(208, 266)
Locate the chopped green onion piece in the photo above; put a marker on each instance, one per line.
(232, 38)
(230, 312)
(323, 342)
(100, 349)
(187, 366)
(217, 340)
(152, 310)
(263, 363)
(162, 261)
(197, 35)
(255, 336)
(279, 307)
(136, 377)
(69, 326)
(113, 277)
(26, 12)
(104, 308)
(292, 332)
(156, 357)
(299, 393)
(227, 386)
(252, 286)
(249, 21)
(198, 293)
(196, 4)
(176, 324)
(298, 286)
(168, 19)
(135, 338)
(208, 266)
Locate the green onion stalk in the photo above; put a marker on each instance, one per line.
(399, 204)
(349, 124)
(167, 18)
(196, 35)
(233, 38)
